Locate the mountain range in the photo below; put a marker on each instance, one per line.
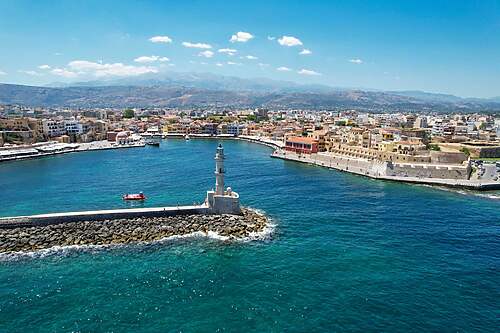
(210, 90)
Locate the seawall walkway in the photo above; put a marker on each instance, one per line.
(100, 215)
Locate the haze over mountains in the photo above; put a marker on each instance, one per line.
(205, 89)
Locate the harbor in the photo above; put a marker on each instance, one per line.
(220, 214)
(317, 245)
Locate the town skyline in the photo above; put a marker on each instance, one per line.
(444, 47)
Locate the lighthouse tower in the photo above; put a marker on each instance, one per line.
(222, 201)
(219, 170)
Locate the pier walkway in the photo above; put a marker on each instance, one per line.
(100, 215)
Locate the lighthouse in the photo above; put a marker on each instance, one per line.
(222, 201)
(219, 170)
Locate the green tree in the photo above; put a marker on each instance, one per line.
(128, 113)
(466, 151)
(252, 117)
(434, 147)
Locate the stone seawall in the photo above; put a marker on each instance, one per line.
(129, 230)
(376, 169)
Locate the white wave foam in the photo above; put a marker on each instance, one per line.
(493, 196)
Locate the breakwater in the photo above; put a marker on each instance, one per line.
(130, 230)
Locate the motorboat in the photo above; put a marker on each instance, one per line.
(151, 142)
(134, 196)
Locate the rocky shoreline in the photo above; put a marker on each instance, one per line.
(125, 231)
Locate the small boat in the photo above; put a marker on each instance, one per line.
(186, 137)
(153, 143)
(134, 196)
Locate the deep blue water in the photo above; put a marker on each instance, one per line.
(348, 253)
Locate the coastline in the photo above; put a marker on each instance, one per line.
(277, 147)
(435, 182)
(441, 182)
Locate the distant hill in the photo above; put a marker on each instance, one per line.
(205, 89)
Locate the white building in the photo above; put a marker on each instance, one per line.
(53, 128)
(421, 122)
(438, 128)
(72, 127)
(235, 129)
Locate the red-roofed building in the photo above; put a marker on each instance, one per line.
(300, 145)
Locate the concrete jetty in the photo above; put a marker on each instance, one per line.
(99, 215)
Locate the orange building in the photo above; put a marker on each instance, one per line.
(300, 144)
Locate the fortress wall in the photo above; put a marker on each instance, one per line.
(429, 171)
(376, 168)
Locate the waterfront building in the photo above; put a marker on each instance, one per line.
(235, 129)
(53, 128)
(72, 127)
(301, 145)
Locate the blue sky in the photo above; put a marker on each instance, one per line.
(439, 46)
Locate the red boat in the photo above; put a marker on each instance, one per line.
(135, 196)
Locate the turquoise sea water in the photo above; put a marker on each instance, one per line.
(348, 253)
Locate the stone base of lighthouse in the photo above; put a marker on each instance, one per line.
(227, 203)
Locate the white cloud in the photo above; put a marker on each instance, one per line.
(153, 58)
(308, 72)
(251, 57)
(233, 63)
(271, 38)
(305, 52)
(64, 73)
(289, 41)
(32, 73)
(3, 73)
(219, 64)
(44, 67)
(102, 70)
(160, 39)
(356, 61)
(227, 51)
(197, 45)
(241, 36)
(206, 54)
(283, 69)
